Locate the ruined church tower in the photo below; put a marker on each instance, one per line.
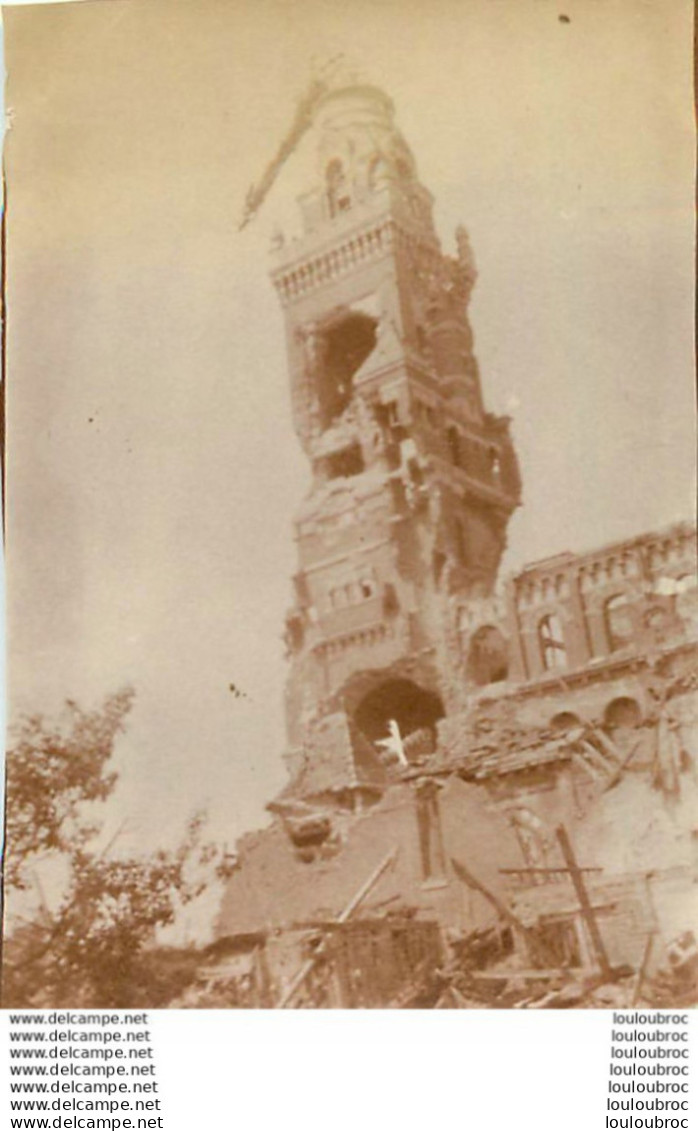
(413, 481)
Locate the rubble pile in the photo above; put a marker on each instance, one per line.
(524, 749)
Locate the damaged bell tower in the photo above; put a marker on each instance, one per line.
(413, 482)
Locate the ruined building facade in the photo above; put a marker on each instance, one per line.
(413, 481)
(444, 723)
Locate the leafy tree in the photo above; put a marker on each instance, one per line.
(52, 769)
(96, 948)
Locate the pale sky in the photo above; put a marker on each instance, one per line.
(152, 461)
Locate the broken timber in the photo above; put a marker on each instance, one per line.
(642, 972)
(349, 910)
(302, 121)
(501, 908)
(584, 903)
(542, 871)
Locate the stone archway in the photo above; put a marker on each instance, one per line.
(488, 656)
(623, 713)
(415, 711)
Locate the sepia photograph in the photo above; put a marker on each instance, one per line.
(350, 525)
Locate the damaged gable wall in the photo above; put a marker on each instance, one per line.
(272, 888)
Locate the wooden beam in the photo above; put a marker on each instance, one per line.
(618, 773)
(571, 974)
(542, 871)
(501, 908)
(602, 762)
(349, 910)
(584, 903)
(367, 886)
(639, 981)
(611, 749)
(590, 770)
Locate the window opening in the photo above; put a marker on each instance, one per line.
(565, 721)
(623, 713)
(619, 621)
(345, 463)
(338, 197)
(388, 418)
(345, 345)
(552, 642)
(368, 587)
(488, 660)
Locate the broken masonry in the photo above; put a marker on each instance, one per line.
(492, 785)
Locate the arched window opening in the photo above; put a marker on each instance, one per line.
(552, 643)
(622, 715)
(532, 836)
(402, 702)
(564, 722)
(619, 622)
(338, 197)
(488, 657)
